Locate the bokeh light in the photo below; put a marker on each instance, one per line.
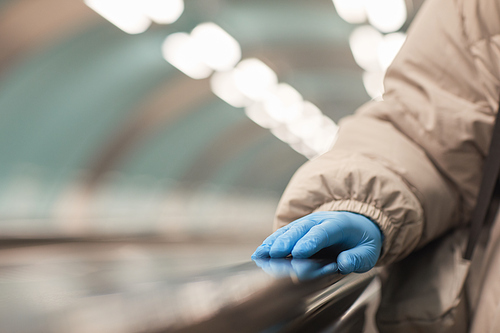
(386, 15)
(182, 52)
(258, 114)
(352, 11)
(284, 134)
(255, 79)
(219, 50)
(125, 14)
(284, 104)
(364, 42)
(223, 85)
(163, 11)
(389, 48)
(308, 123)
(374, 83)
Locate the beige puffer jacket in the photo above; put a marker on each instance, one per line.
(412, 162)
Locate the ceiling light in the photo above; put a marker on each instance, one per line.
(284, 134)
(224, 86)
(374, 83)
(389, 48)
(255, 79)
(324, 138)
(308, 123)
(162, 11)
(182, 52)
(352, 11)
(303, 149)
(259, 115)
(364, 42)
(125, 14)
(284, 104)
(219, 50)
(386, 15)
(329, 126)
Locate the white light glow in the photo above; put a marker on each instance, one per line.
(162, 11)
(329, 126)
(364, 42)
(324, 139)
(389, 48)
(259, 115)
(218, 49)
(125, 14)
(374, 83)
(255, 79)
(282, 133)
(308, 123)
(182, 52)
(303, 149)
(316, 144)
(224, 86)
(284, 104)
(386, 15)
(352, 11)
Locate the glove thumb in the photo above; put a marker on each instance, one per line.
(358, 259)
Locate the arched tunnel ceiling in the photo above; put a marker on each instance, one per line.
(79, 95)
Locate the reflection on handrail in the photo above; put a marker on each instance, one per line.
(301, 269)
(300, 295)
(131, 288)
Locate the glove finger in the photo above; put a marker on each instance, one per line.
(263, 250)
(284, 244)
(359, 259)
(318, 237)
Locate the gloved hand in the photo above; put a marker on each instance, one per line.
(359, 239)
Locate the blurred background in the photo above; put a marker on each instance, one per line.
(176, 119)
(146, 140)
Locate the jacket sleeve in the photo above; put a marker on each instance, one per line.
(412, 162)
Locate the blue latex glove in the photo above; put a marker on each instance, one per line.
(358, 237)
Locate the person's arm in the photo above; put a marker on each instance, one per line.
(412, 163)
